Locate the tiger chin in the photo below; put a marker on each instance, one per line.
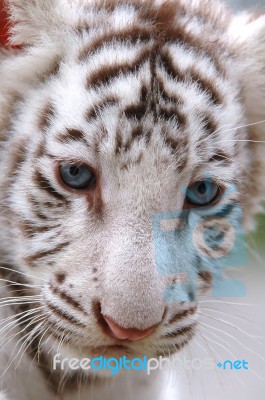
(130, 159)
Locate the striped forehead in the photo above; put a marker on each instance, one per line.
(124, 82)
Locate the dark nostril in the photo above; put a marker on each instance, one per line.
(118, 332)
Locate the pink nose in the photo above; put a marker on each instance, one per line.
(118, 332)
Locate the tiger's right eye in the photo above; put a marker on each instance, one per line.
(202, 193)
(77, 177)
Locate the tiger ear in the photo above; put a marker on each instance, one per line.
(247, 35)
(28, 20)
(4, 29)
(249, 45)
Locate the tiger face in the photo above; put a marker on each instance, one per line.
(126, 136)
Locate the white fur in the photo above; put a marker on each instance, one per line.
(120, 245)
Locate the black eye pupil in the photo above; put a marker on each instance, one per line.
(74, 171)
(202, 188)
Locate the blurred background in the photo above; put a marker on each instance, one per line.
(239, 5)
(245, 4)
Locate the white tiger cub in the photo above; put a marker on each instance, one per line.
(114, 115)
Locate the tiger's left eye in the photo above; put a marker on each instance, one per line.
(77, 176)
(202, 193)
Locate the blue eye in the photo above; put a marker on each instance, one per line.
(202, 193)
(77, 177)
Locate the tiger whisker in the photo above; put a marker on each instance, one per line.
(233, 129)
(22, 273)
(28, 317)
(20, 303)
(39, 344)
(18, 314)
(34, 320)
(232, 337)
(215, 310)
(233, 326)
(34, 336)
(225, 348)
(225, 302)
(19, 284)
(222, 347)
(27, 337)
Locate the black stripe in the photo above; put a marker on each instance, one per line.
(181, 331)
(226, 211)
(131, 36)
(72, 134)
(205, 84)
(67, 298)
(136, 111)
(170, 67)
(179, 35)
(169, 113)
(176, 100)
(29, 228)
(182, 315)
(108, 72)
(220, 156)
(42, 254)
(69, 318)
(45, 185)
(95, 110)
